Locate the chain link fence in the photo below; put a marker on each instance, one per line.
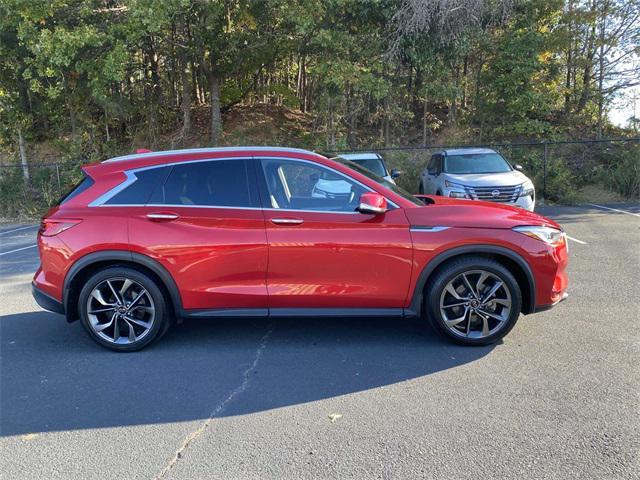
(558, 169)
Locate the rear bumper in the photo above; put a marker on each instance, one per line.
(45, 301)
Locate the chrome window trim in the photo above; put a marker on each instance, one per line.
(165, 153)
(131, 178)
(227, 208)
(109, 194)
(421, 229)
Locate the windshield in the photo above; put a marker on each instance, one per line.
(374, 164)
(386, 183)
(476, 163)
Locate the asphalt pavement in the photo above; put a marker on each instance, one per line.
(558, 398)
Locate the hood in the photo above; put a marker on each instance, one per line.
(451, 212)
(505, 179)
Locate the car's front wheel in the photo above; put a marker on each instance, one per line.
(122, 309)
(473, 301)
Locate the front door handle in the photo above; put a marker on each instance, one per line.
(162, 216)
(287, 221)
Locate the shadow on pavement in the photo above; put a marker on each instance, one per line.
(54, 378)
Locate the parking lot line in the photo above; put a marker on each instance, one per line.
(17, 250)
(19, 229)
(576, 240)
(614, 209)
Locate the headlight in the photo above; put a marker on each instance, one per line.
(550, 236)
(449, 184)
(454, 194)
(527, 189)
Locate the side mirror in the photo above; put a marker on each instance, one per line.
(396, 173)
(432, 171)
(371, 202)
(518, 167)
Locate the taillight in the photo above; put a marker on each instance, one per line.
(50, 227)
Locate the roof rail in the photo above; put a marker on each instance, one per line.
(135, 156)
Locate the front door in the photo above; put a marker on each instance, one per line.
(323, 254)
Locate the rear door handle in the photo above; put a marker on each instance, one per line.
(162, 216)
(287, 221)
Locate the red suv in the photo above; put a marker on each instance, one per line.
(148, 239)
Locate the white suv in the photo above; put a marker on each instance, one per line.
(373, 162)
(477, 174)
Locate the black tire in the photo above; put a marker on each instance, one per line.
(159, 323)
(439, 193)
(455, 268)
(421, 188)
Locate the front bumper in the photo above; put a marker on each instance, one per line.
(45, 301)
(544, 308)
(526, 202)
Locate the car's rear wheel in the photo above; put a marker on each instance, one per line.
(122, 309)
(473, 301)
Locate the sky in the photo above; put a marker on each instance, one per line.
(622, 107)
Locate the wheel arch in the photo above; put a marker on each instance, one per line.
(85, 266)
(511, 260)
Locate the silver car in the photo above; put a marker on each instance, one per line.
(477, 174)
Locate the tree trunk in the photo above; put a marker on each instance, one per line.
(106, 126)
(603, 26)
(331, 134)
(588, 66)
(23, 157)
(186, 99)
(567, 85)
(386, 124)
(216, 117)
(425, 123)
(73, 120)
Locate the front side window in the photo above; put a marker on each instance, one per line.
(296, 185)
(438, 164)
(215, 183)
(476, 163)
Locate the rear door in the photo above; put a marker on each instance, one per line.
(204, 224)
(323, 254)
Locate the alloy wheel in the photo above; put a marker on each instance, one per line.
(120, 310)
(475, 304)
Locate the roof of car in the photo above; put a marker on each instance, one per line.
(467, 151)
(359, 156)
(136, 156)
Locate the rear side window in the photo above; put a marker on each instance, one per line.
(80, 187)
(139, 191)
(219, 183)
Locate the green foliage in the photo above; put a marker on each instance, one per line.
(98, 77)
(620, 170)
